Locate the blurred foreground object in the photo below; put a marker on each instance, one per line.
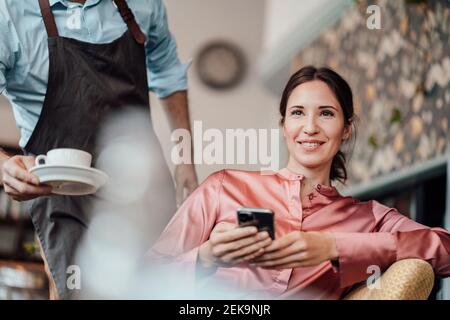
(128, 213)
(22, 281)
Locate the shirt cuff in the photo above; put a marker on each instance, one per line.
(168, 81)
(2, 82)
(359, 253)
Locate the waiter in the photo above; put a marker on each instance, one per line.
(65, 66)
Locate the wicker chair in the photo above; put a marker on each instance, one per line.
(409, 279)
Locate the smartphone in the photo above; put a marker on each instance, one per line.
(263, 219)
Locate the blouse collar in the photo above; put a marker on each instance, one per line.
(325, 190)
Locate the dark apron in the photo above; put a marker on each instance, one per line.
(88, 83)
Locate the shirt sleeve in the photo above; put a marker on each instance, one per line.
(2, 76)
(190, 227)
(7, 55)
(166, 74)
(395, 237)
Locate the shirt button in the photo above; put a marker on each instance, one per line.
(311, 197)
(318, 186)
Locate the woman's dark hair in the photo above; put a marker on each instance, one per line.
(344, 95)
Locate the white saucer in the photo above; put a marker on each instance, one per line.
(70, 180)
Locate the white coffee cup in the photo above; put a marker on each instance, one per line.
(65, 157)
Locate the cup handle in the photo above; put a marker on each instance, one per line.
(40, 160)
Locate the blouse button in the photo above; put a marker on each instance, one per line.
(311, 197)
(318, 186)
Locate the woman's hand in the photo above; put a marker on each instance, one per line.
(298, 249)
(230, 245)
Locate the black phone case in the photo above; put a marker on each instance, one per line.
(264, 221)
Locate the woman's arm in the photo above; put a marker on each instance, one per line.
(194, 241)
(395, 237)
(191, 225)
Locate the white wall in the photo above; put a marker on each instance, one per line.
(291, 25)
(282, 16)
(194, 23)
(285, 18)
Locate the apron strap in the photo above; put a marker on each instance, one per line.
(49, 20)
(128, 17)
(125, 12)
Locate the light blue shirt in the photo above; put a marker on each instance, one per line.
(24, 51)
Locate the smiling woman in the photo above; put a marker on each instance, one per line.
(317, 115)
(324, 242)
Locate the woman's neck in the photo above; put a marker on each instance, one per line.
(312, 177)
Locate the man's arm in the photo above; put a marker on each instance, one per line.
(14, 176)
(176, 106)
(168, 79)
(3, 158)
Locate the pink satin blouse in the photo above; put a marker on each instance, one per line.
(367, 234)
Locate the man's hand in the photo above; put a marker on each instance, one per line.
(185, 179)
(18, 182)
(299, 249)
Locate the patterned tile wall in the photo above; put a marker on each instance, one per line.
(400, 76)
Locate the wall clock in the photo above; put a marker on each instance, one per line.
(221, 65)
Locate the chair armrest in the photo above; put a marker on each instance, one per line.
(408, 279)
